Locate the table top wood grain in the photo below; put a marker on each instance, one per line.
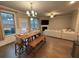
(24, 36)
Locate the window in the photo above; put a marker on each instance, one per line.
(8, 23)
(23, 26)
(34, 23)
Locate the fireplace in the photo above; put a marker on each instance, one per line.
(44, 28)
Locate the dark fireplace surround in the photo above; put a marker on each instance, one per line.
(44, 28)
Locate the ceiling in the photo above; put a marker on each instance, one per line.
(42, 7)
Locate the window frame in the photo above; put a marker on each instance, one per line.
(8, 12)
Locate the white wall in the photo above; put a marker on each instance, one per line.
(77, 21)
(74, 20)
(60, 22)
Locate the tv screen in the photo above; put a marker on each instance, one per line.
(44, 22)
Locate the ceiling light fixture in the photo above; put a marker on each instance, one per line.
(31, 13)
(71, 2)
(51, 16)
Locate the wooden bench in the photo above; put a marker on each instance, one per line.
(37, 41)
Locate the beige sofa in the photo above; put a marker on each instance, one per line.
(61, 34)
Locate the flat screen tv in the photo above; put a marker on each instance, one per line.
(44, 22)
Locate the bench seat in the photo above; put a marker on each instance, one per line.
(37, 41)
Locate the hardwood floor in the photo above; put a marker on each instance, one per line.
(53, 48)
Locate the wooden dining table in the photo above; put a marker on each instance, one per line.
(28, 35)
(24, 40)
